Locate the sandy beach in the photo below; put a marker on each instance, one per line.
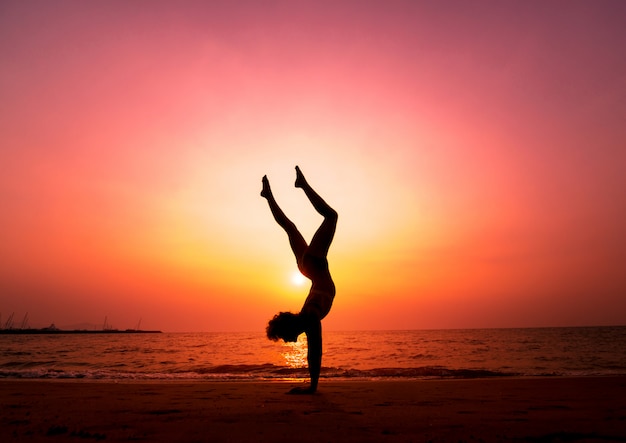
(511, 409)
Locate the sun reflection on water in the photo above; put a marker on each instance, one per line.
(295, 353)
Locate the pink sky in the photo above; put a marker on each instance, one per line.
(474, 151)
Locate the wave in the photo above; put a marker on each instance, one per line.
(253, 372)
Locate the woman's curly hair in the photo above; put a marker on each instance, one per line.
(285, 325)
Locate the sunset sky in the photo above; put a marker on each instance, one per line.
(475, 153)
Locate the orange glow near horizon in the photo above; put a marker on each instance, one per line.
(475, 186)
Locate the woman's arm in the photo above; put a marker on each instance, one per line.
(314, 356)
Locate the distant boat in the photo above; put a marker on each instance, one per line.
(54, 330)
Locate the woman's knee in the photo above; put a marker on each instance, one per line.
(332, 215)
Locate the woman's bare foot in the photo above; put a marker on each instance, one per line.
(266, 192)
(300, 180)
(302, 390)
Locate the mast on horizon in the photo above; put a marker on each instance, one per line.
(24, 324)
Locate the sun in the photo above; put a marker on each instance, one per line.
(297, 278)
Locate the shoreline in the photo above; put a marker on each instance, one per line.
(502, 409)
(323, 381)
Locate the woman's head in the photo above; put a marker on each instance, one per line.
(285, 325)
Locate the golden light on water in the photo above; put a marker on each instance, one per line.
(295, 353)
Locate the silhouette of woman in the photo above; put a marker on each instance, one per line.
(312, 263)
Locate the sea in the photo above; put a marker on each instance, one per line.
(364, 355)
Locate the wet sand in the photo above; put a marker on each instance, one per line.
(590, 409)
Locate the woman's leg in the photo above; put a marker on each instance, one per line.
(324, 236)
(296, 241)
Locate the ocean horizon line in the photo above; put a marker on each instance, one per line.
(405, 329)
(99, 328)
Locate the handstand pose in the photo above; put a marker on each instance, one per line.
(312, 263)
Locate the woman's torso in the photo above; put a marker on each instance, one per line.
(322, 293)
